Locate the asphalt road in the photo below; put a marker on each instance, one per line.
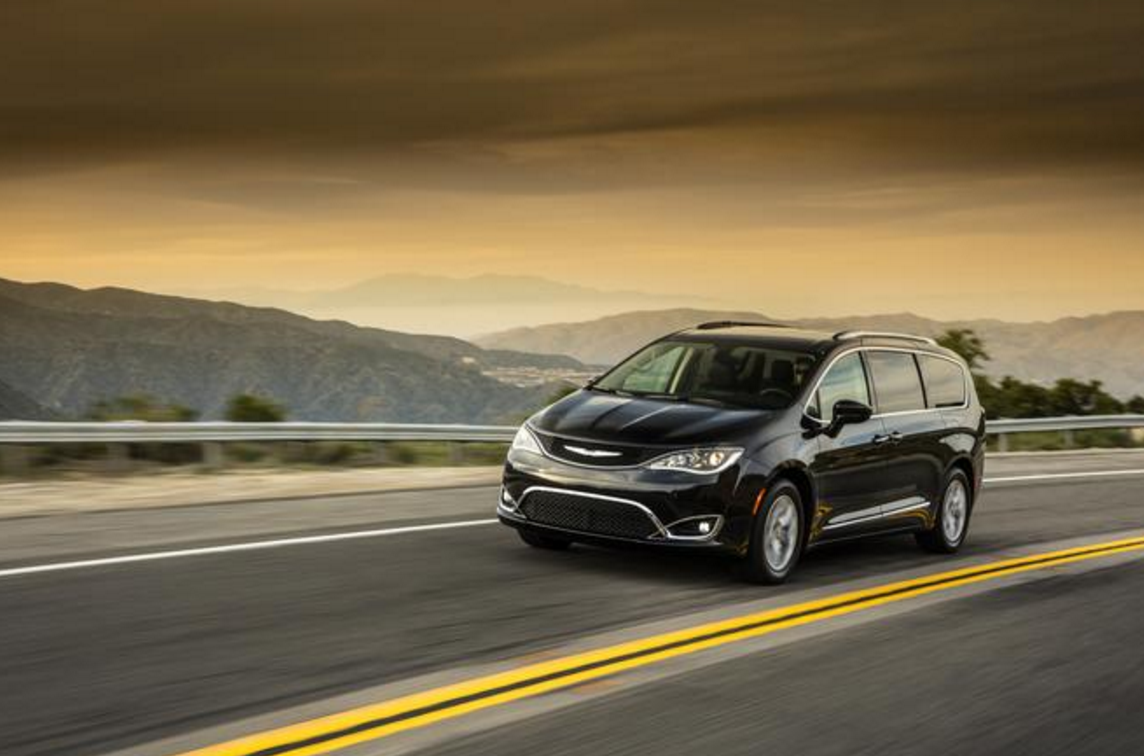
(102, 658)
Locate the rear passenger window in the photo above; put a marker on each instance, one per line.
(945, 381)
(896, 381)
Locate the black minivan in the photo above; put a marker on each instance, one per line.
(756, 440)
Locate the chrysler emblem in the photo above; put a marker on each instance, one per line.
(591, 452)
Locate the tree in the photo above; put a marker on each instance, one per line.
(140, 407)
(1135, 405)
(1072, 397)
(967, 344)
(249, 408)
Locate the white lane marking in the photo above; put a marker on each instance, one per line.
(356, 534)
(1063, 476)
(232, 547)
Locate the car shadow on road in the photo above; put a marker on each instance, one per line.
(837, 562)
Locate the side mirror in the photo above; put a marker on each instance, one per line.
(849, 412)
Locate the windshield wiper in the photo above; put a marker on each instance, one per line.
(705, 400)
(614, 392)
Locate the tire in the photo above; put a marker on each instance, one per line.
(541, 541)
(781, 520)
(951, 522)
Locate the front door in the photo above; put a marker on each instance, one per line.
(850, 466)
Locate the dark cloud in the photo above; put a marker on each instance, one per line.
(921, 82)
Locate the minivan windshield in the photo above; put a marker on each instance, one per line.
(723, 373)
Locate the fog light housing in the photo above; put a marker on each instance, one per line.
(507, 503)
(701, 528)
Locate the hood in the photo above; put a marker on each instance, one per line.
(607, 418)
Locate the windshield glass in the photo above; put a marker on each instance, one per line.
(726, 373)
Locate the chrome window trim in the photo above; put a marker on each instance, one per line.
(873, 348)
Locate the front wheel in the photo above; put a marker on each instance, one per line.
(952, 521)
(541, 541)
(776, 537)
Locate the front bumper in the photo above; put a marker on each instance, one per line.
(599, 505)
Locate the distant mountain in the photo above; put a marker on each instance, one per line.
(1107, 347)
(443, 304)
(15, 405)
(67, 348)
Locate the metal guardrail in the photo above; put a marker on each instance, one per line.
(211, 435)
(21, 432)
(139, 432)
(1071, 423)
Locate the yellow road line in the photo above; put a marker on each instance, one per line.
(417, 710)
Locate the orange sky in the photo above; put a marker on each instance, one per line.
(983, 161)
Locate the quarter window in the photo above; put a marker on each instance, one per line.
(945, 381)
(846, 379)
(896, 381)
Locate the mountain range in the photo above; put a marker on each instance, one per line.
(454, 305)
(65, 348)
(1108, 347)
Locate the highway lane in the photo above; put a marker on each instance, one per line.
(71, 536)
(1052, 667)
(108, 657)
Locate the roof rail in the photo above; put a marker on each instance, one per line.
(843, 335)
(712, 325)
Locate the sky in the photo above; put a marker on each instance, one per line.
(970, 159)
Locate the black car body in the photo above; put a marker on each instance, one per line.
(696, 439)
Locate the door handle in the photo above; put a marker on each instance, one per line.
(888, 438)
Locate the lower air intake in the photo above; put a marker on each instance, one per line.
(586, 514)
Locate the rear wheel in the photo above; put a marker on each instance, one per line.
(776, 537)
(952, 522)
(542, 541)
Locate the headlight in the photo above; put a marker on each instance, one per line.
(525, 441)
(700, 461)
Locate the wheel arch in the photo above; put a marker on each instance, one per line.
(965, 465)
(799, 476)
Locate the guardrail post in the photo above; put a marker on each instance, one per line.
(118, 457)
(213, 455)
(1070, 439)
(380, 454)
(1002, 442)
(456, 453)
(14, 459)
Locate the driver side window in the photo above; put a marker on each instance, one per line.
(846, 379)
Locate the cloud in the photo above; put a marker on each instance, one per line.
(975, 85)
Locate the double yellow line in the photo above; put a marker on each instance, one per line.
(408, 712)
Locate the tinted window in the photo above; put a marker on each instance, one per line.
(717, 372)
(945, 382)
(846, 379)
(896, 381)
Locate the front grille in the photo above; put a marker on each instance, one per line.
(586, 514)
(594, 453)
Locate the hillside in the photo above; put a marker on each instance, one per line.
(1107, 347)
(15, 405)
(67, 348)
